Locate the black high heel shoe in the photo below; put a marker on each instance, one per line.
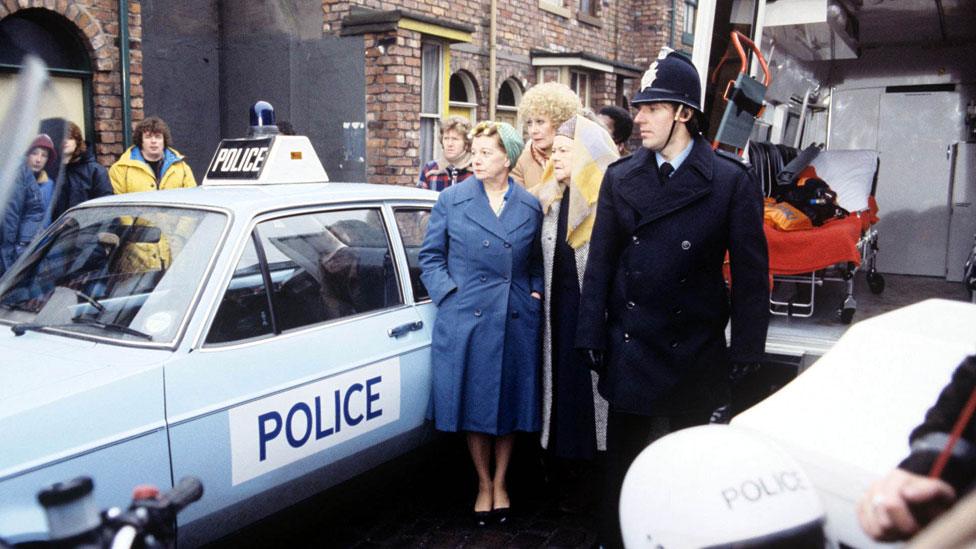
(500, 515)
(482, 518)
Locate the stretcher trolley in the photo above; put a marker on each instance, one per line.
(834, 251)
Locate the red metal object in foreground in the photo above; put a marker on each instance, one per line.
(145, 491)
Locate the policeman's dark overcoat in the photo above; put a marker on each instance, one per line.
(654, 298)
(480, 270)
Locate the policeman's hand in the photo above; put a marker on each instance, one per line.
(594, 359)
(898, 505)
(536, 295)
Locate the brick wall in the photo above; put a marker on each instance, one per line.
(96, 22)
(627, 31)
(392, 107)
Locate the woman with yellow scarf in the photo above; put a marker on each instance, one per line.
(574, 414)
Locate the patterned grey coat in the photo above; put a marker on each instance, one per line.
(549, 228)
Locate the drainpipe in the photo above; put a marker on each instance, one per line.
(492, 64)
(671, 28)
(124, 52)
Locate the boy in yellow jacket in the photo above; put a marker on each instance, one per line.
(151, 165)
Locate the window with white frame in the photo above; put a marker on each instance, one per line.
(588, 7)
(550, 74)
(431, 65)
(506, 107)
(688, 26)
(462, 98)
(580, 83)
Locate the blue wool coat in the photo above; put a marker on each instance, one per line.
(23, 217)
(480, 270)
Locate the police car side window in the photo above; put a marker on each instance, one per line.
(244, 312)
(412, 224)
(328, 265)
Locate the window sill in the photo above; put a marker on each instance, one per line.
(550, 7)
(591, 20)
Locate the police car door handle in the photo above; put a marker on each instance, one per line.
(402, 329)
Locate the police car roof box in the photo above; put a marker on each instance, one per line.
(272, 159)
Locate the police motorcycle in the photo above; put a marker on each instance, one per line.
(789, 471)
(149, 521)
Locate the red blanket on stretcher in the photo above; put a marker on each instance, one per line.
(796, 252)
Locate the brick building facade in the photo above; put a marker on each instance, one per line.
(600, 48)
(94, 26)
(411, 62)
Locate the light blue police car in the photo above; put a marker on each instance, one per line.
(265, 332)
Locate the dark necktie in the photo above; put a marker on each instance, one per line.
(664, 171)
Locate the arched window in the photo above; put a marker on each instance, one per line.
(463, 100)
(509, 96)
(57, 41)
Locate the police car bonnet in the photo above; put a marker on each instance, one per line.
(270, 159)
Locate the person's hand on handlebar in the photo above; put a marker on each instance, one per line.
(901, 503)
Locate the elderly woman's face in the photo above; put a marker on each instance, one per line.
(453, 144)
(562, 157)
(488, 158)
(541, 130)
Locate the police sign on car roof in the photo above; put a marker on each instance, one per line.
(265, 157)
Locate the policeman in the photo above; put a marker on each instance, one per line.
(654, 303)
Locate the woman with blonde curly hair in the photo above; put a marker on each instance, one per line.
(543, 108)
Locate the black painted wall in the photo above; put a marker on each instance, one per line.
(268, 50)
(180, 74)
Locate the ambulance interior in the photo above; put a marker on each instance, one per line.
(892, 78)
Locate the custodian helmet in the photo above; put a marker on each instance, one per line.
(672, 78)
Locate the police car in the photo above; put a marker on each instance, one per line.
(266, 332)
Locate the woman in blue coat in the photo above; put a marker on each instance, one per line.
(482, 265)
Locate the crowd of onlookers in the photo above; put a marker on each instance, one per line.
(37, 199)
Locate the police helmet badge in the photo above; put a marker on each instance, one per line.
(650, 75)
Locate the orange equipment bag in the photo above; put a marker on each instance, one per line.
(785, 217)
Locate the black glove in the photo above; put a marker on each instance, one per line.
(594, 359)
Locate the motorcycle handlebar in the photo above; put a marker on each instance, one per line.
(186, 491)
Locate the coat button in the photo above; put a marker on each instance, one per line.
(483, 278)
(686, 245)
(631, 305)
(508, 244)
(626, 336)
(636, 240)
(683, 280)
(674, 344)
(677, 311)
(515, 314)
(477, 312)
(486, 243)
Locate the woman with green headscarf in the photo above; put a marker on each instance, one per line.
(482, 265)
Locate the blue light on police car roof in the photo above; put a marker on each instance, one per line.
(262, 114)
